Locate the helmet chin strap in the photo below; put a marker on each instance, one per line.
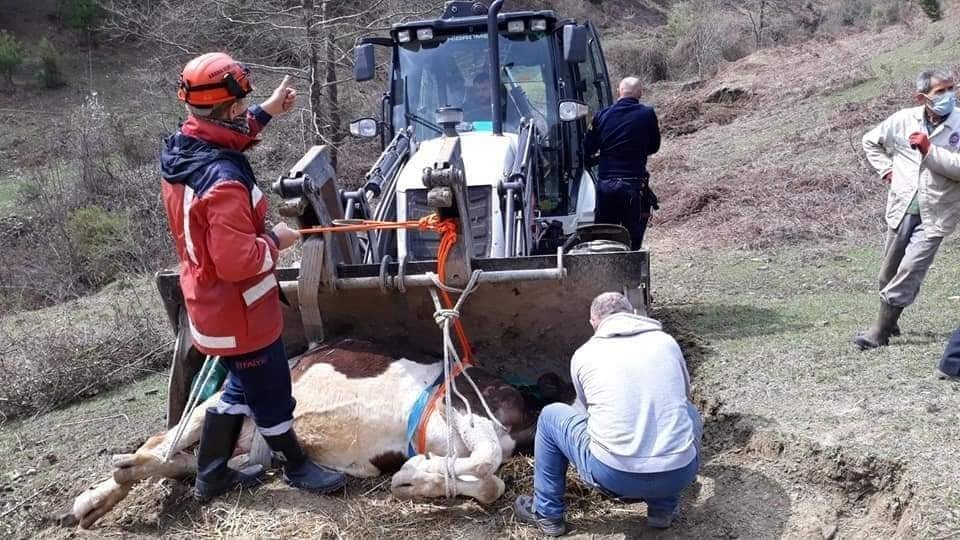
(236, 123)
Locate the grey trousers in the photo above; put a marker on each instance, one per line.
(906, 258)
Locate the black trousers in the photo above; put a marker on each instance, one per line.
(626, 202)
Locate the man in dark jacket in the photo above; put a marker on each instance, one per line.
(624, 135)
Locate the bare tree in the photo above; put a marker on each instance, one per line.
(308, 39)
(756, 12)
(706, 40)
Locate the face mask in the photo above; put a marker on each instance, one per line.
(943, 105)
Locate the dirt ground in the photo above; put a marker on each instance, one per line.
(788, 453)
(806, 438)
(743, 491)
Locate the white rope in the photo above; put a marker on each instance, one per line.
(449, 476)
(208, 365)
(444, 318)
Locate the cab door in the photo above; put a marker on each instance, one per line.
(593, 85)
(601, 77)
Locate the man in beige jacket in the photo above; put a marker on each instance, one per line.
(916, 151)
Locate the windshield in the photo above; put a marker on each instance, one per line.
(454, 71)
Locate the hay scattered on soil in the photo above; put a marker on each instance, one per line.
(366, 511)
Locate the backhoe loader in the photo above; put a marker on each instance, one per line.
(481, 122)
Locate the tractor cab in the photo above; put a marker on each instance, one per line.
(541, 78)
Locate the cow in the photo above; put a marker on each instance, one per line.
(353, 401)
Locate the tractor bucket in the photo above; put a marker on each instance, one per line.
(527, 314)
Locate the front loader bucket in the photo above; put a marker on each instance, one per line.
(522, 326)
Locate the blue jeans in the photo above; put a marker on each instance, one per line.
(562, 439)
(259, 385)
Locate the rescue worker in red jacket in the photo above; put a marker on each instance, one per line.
(227, 258)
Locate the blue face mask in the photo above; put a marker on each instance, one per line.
(943, 105)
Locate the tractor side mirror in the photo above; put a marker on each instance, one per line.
(365, 128)
(575, 43)
(571, 110)
(364, 62)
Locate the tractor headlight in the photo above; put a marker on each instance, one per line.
(425, 34)
(403, 36)
(515, 27)
(538, 25)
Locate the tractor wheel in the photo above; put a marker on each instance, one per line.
(599, 246)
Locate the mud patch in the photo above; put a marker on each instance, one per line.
(857, 493)
(687, 115)
(727, 95)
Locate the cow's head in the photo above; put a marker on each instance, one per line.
(550, 388)
(553, 388)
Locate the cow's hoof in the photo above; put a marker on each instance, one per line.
(65, 519)
(93, 503)
(491, 489)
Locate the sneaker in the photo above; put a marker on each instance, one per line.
(523, 508)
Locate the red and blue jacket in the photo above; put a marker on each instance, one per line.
(217, 216)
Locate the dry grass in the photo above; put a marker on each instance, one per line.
(76, 350)
(366, 511)
(753, 161)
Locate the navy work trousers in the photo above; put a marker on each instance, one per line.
(621, 201)
(259, 386)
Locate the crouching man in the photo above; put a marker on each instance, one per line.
(631, 433)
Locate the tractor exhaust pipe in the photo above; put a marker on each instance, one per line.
(493, 35)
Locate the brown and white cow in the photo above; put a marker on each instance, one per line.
(353, 401)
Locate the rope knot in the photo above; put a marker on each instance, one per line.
(442, 316)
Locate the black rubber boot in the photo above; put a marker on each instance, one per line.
(879, 334)
(299, 471)
(217, 441)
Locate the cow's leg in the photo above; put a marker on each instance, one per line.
(423, 477)
(475, 473)
(146, 462)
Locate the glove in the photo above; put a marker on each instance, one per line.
(920, 141)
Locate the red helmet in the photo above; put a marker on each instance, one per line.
(213, 78)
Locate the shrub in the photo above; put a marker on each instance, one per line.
(77, 349)
(885, 14)
(81, 14)
(636, 58)
(49, 73)
(11, 54)
(932, 9)
(102, 240)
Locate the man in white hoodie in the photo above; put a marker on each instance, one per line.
(632, 432)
